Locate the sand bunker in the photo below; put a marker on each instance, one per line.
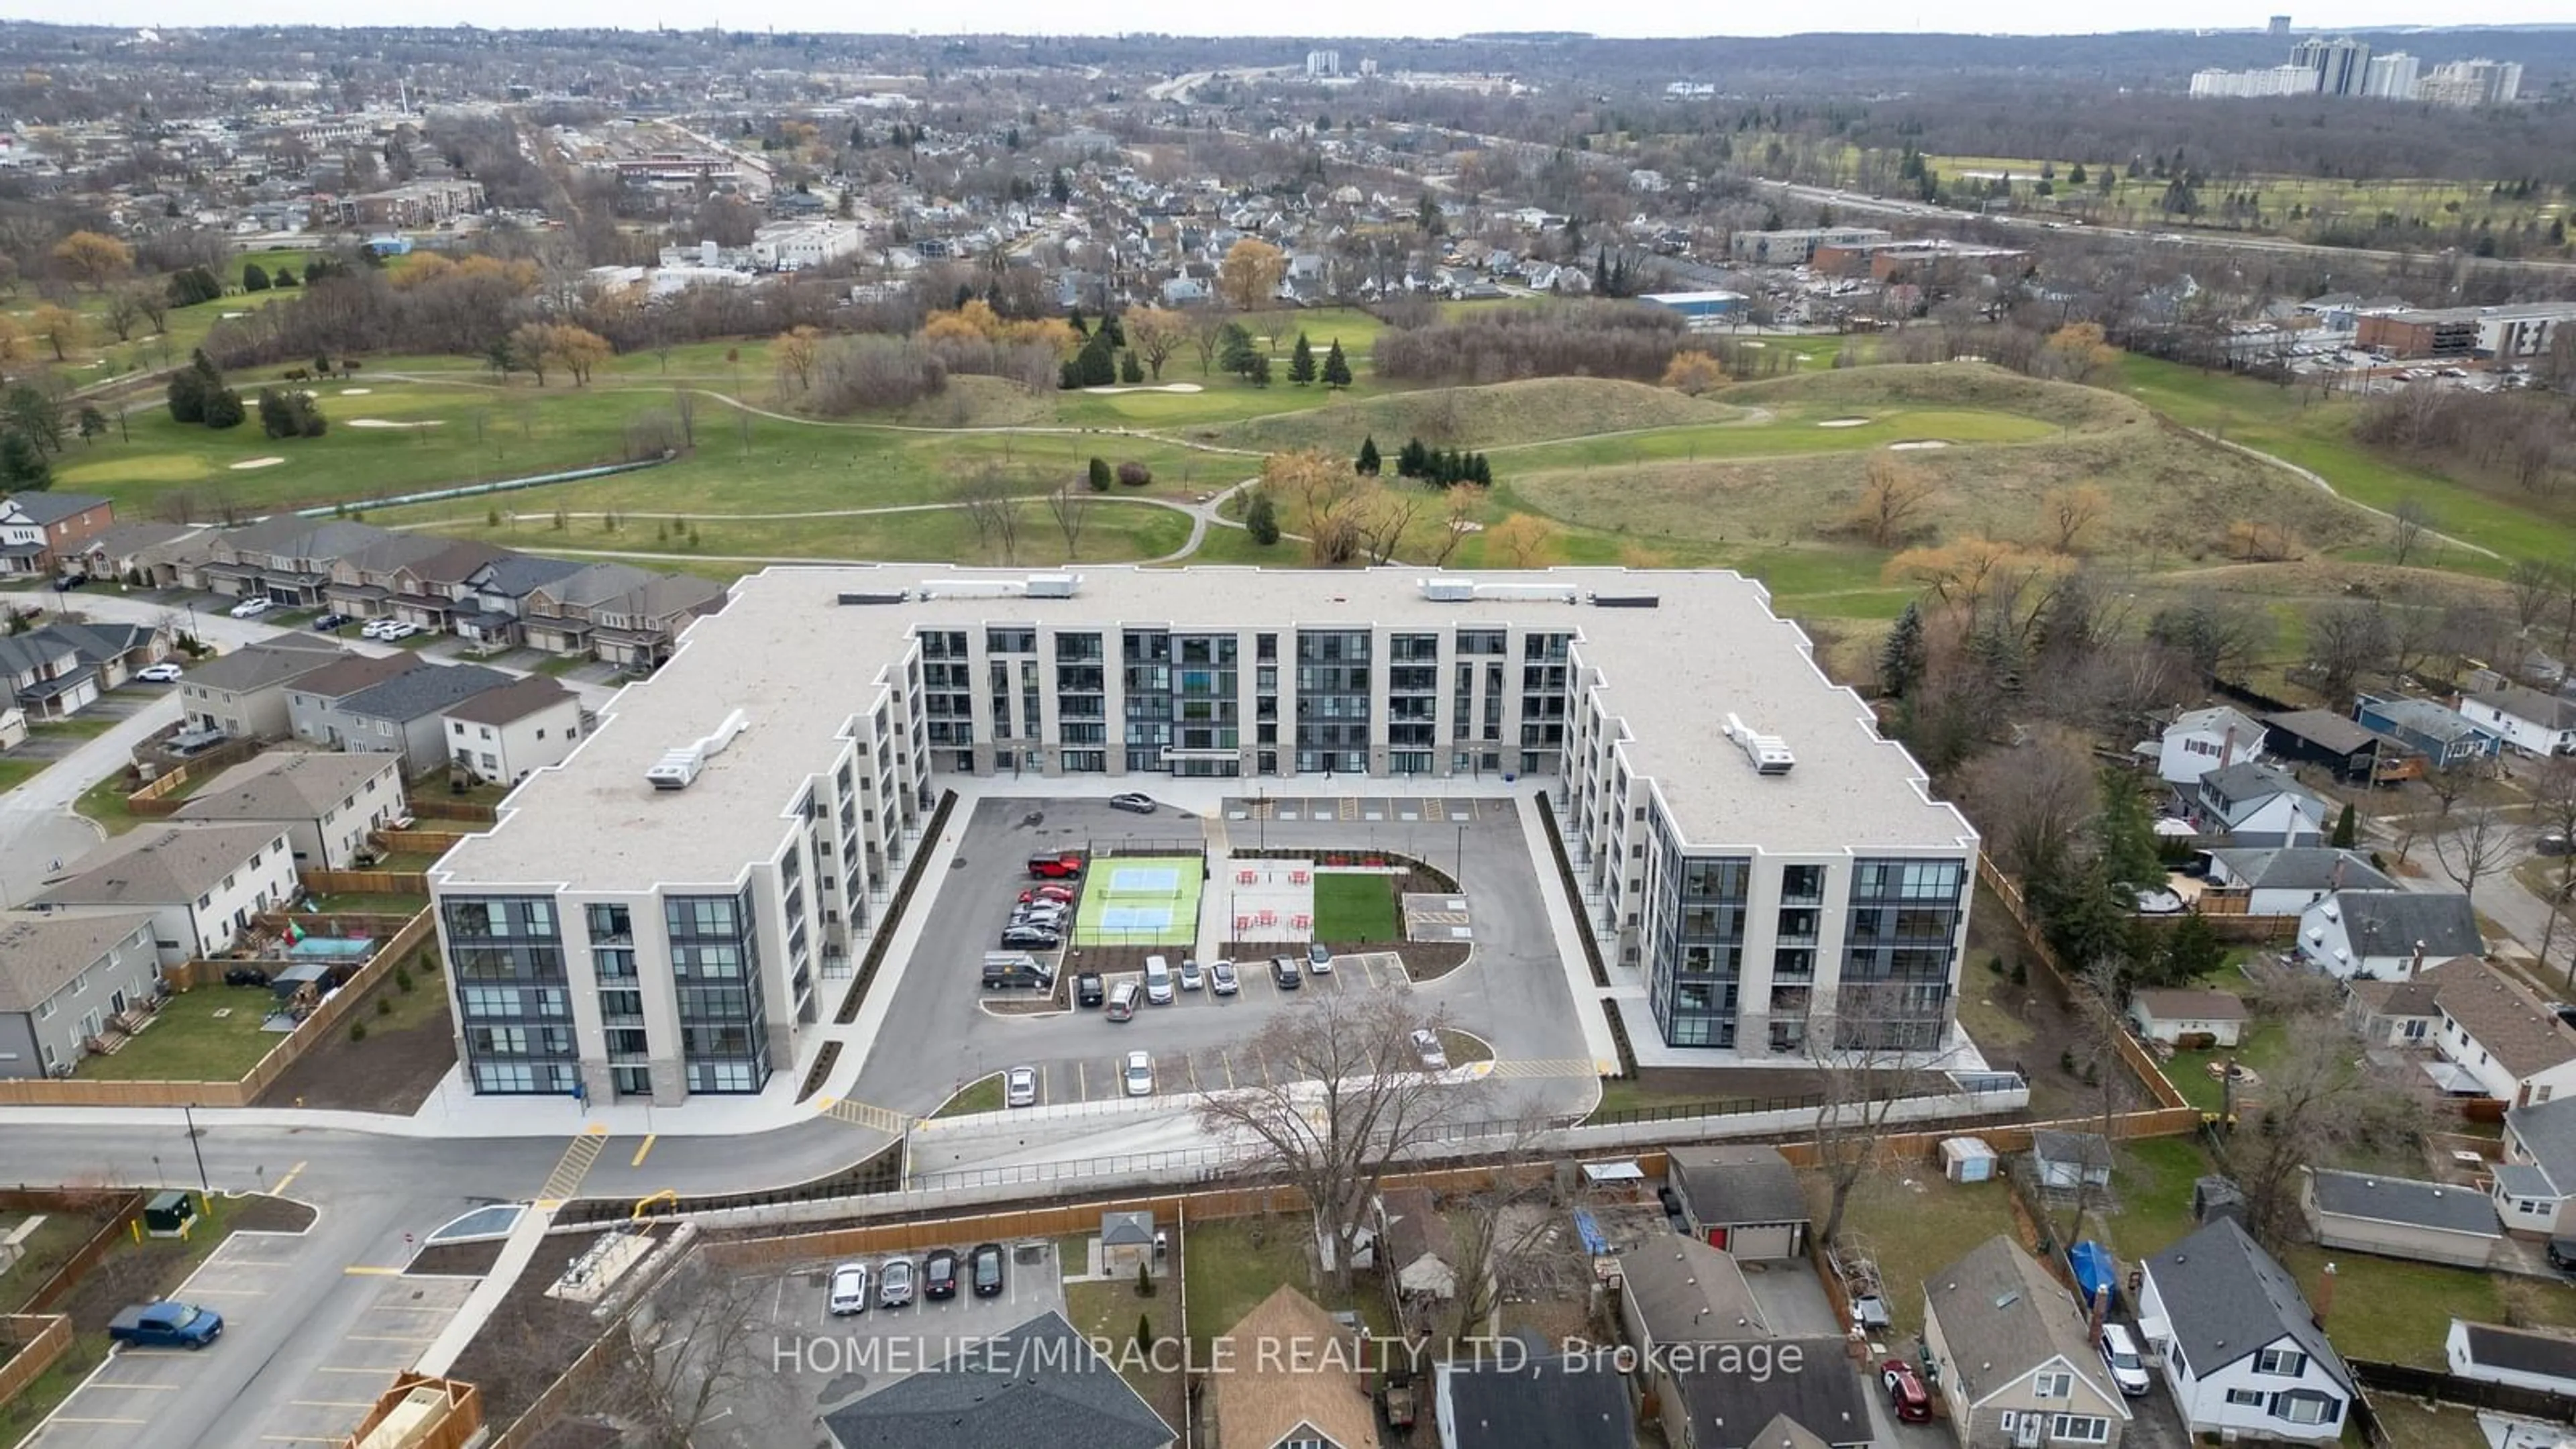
(1752, 344)
(355, 391)
(1844, 423)
(385, 423)
(1151, 387)
(1917, 444)
(248, 463)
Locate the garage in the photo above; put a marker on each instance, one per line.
(1756, 1240)
(1744, 1199)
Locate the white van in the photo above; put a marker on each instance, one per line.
(1158, 981)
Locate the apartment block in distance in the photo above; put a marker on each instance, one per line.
(649, 918)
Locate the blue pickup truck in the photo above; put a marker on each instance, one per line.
(167, 1324)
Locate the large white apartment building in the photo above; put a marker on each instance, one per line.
(1741, 832)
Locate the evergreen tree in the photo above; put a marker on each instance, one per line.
(187, 393)
(2191, 950)
(1260, 371)
(1301, 362)
(1068, 374)
(23, 465)
(1369, 462)
(276, 417)
(1074, 320)
(1098, 361)
(253, 279)
(93, 423)
(285, 277)
(224, 408)
(2125, 835)
(1110, 329)
(1601, 272)
(1261, 520)
(1482, 473)
(2345, 831)
(1130, 371)
(1413, 460)
(1901, 658)
(1337, 368)
(1099, 475)
(1059, 187)
(1235, 352)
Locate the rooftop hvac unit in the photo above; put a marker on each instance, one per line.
(1769, 753)
(1529, 593)
(679, 767)
(1054, 586)
(1449, 590)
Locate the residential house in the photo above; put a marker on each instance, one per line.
(436, 589)
(45, 676)
(617, 613)
(285, 559)
(2201, 740)
(503, 736)
(1679, 1290)
(2387, 935)
(110, 650)
(2395, 1217)
(13, 726)
(1697, 1329)
(406, 714)
(2537, 1177)
(1036, 1385)
(201, 884)
(1293, 1379)
(2284, 880)
(41, 533)
(2392, 1013)
(1530, 1399)
(498, 595)
(2256, 805)
(313, 701)
(361, 579)
(2528, 720)
(125, 550)
(2242, 1351)
(2497, 1032)
(2170, 1015)
(1415, 1252)
(2493, 1354)
(62, 978)
(2442, 735)
(328, 803)
(2321, 737)
(2070, 1161)
(1744, 1199)
(244, 693)
(2007, 1348)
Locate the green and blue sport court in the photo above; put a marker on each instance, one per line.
(1139, 900)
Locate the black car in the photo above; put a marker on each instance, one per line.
(2562, 1254)
(328, 623)
(1087, 990)
(985, 1263)
(1031, 938)
(939, 1274)
(1284, 973)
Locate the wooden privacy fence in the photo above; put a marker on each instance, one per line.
(366, 882)
(39, 1340)
(423, 838)
(110, 1233)
(289, 1050)
(2143, 1066)
(431, 807)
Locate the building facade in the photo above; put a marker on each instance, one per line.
(1750, 876)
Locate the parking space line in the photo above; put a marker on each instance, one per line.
(138, 1388)
(288, 1180)
(333, 1403)
(1192, 1065)
(69, 1419)
(336, 1369)
(389, 1338)
(649, 1140)
(1081, 1083)
(365, 1270)
(1226, 1060)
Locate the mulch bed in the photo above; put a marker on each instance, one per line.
(271, 1215)
(530, 1339)
(391, 1071)
(457, 1260)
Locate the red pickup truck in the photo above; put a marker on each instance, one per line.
(1056, 865)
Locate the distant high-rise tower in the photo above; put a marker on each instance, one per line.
(2472, 83)
(2342, 66)
(2280, 25)
(2392, 77)
(1323, 64)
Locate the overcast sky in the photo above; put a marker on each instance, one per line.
(1311, 17)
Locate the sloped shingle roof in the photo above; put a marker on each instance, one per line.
(2003, 1316)
(2514, 1026)
(420, 692)
(286, 785)
(1035, 1386)
(2225, 1297)
(158, 865)
(40, 953)
(1279, 1377)
(2393, 923)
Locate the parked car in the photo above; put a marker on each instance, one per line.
(850, 1289)
(2120, 1356)
(1426, 1045)
(398, 630)
(1319, 958)
(159, 673)
(375, 628)
(1060, 865)
(985, 1266)
(894, 1282)
(251, 608)
(1158, 981)
(1133, 803)
(939, 1274)
(2562, 1254)
(1020, 1087)
(333, 623)
(1192, 977)
(1087, 989)
(1122, 1001)
(1221, 978)
(1044, 913)
(1061, 895)
(1905, 1392)
(1031, 938)
(166, 1324)
(1138, 1074)
(70, 581)
(1283, 973)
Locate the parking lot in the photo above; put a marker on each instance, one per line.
(938, 1036)
(821, 1362)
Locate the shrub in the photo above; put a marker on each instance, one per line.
(859, 373)
(1144, 1281)
(384, 1006)
(357, 1031)
(1098, 473)
(1134, 474)
(402, 978)
(1589, 339)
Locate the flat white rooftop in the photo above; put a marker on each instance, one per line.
(801, 665)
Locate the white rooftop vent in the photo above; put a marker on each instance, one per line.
(1451, 590)
(679, 767)
(1035, 586)
(1530, 593)
(1769, 753)
(1054, 586)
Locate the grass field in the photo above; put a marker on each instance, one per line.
(190, 1042)
(1481, 418)
(1354, 908)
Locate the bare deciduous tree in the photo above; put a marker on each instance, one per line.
(1389, 511)
(989, 504)
(1890, 501)
(2322, 1096)
(2480, 840)
(1861, 1056)
(696, 1352)
(2406, 525)
(1069, 505)
(1343, 1101)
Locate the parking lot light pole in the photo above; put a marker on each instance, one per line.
(1458, 877)
(205, 1189)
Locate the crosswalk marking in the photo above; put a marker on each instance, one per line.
(1561, 1067)
(573, 1167)
(1435, 808)
(1350, 807)
(861, 1114)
